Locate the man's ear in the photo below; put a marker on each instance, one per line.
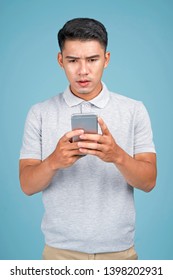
(60, 59)
(107, 59)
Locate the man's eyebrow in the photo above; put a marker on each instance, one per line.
(93, 56)
(72, 57)
(88, 57)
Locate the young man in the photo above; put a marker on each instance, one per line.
(88, 200)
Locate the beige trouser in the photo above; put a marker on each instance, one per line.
(51, 253)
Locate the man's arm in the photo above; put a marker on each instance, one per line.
(36, 175)
(139, 171)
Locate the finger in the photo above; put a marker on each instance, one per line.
(91, 152)
(71, 134)
(75, 153)
(103, 126)
(73, 146)
(92, 137)
(72, 152)
(73, 149)
(91, 145)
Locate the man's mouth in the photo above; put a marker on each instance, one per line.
(83, 83)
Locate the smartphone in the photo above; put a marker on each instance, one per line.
(87, 122)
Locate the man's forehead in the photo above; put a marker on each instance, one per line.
(78, 46)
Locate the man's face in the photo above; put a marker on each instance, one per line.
(83, 63)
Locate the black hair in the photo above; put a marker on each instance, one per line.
(83, 29)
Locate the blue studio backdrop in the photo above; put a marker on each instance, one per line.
(141, 44)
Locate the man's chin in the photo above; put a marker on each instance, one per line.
(84, 91)
(80, 90)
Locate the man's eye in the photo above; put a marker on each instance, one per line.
(92, 59)
(72, 60)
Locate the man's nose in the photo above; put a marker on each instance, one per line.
(83, 68)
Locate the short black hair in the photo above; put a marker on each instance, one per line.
(83, 29)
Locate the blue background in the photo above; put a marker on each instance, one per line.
(141, 67)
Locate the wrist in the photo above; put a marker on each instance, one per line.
(51, 163)
(120, 156)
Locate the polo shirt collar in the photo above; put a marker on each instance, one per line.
(99, 101)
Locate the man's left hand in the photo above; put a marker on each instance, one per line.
(101, 145)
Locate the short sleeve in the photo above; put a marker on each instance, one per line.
(32, 138)
(143, 136)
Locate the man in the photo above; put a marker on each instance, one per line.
(88, 200)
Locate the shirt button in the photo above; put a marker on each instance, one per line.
(87, 105)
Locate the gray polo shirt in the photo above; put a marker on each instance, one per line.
(89, 207)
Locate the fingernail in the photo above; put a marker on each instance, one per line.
(82, 136)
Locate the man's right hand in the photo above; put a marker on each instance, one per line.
(36, 175)
(66, 152)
